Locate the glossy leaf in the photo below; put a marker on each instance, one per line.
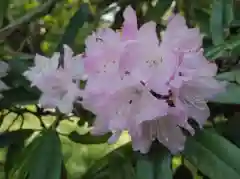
(213, 155)
(14, 137)
(42, 158)
(76, 22)
(13, 152)
(230, 46)
(228, 12)
(163, 165)
(216, 22)
(88, 138)
(230, 96)
(23, 97)
(118, 162)
(144, 168)
(156, 12)
(231, 76)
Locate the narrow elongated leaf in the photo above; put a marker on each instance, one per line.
(228, 12)
(230, 46)
(20, 96)
(120, 160)
(75, 23)
(14, 137)
(216, 22)
(42, 158)
(163, 166)
(3, 10)
(231, 76)
(156, 12)
(47, 158)
(88, 138)
(13, 152)
(230, 96)
(213, 155)
(144, 169)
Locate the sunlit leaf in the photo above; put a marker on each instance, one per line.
(42, 159)
(213, 155)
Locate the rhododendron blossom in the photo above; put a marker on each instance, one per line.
(147, 87)
(57, 83)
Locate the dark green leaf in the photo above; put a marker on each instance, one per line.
(3, 10)
(156, 12)
(228, 47)
(228, 12)
(120, 160)
(14, 137)
(230, 96)
(163, 165)
(216, 22)
(75, 23)
(144, 168)
(13, 152)
(161, 160)
(231, 76)
(19, 96)
(88, 138)
(213, 155)
(183, 172)
(43, 158)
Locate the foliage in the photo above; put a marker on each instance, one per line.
(38, 143)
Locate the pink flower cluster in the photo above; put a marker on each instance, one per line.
(147, 87)
(135, 82)
(57, 83)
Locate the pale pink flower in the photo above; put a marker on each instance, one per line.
(148, 88)
(57, 84)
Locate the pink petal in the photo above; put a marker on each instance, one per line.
(129, 30)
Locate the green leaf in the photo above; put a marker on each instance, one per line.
(118, 162)
(14, 137)
(144, 168)
(230, 46)
(156, 12)
(231, 76)
(3, 10)
(13, 152)
(88, 138)
(76, 22)
(230, 96)
(163, 165)
(42, 158)
(183, 172)
(216, 22)
(213, 155)
(23, 97)
(228, 12)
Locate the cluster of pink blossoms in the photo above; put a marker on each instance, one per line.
(147, 87)
(58, 83)
(135, 82)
